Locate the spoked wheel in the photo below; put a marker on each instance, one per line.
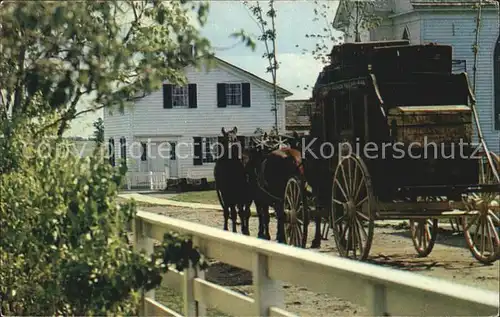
(482, 228)
(423, 234)
(352, 212)
(296, 214)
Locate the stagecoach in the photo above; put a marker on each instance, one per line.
(408, 147)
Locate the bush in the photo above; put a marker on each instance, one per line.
(64, 247)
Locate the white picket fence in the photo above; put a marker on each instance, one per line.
(383, 291)
(147, 180)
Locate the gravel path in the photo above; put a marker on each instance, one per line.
(449, 260)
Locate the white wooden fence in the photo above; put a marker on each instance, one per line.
(383, 291)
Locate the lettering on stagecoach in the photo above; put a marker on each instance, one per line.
(353, 83)
(343, 85)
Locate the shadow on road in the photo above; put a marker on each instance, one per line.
(444, 237)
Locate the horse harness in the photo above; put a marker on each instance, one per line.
(261, 181)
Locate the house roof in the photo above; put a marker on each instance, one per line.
(297, 113)
(451, 3)
(340, 18)
(281, 90)
(253, 76)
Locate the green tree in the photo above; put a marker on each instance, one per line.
(358, 15)
(60, 52)
(64, 247)
(99, 131)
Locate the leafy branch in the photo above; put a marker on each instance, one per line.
(268, 37)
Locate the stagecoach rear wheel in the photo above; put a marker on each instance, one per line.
(481, 229)
(423, 235)
(353, 208)
(296, 213)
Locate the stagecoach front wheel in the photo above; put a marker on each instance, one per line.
(423, 234)
(352, 208)
(296, 214)
(481, 227)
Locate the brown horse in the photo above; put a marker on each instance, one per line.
(231, 181)
(269, 170)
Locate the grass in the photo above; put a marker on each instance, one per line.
(202, 197)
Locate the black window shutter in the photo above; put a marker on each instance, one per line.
(123, 146)
(221, 95)
(144, 154)
(112, 151)
(241, 139)
(197, 151)
(167, 96)
(192, 96)
(173, 154)
(245, 94)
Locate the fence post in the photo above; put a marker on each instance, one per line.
(191, 306)
(151, 180)
(267, 291)
(377, 300)
(142, 242)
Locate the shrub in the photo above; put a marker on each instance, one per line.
(64, 246)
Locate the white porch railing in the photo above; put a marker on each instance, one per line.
(381, 290)
(149, 180)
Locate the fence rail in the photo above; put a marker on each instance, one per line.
(381, 290)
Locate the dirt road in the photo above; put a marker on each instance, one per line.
(450, 260)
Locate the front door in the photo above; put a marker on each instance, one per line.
(171, 160)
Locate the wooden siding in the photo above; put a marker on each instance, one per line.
(148, 119)
(297, 115)
(458, 30)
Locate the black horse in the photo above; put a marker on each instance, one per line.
(231, 181)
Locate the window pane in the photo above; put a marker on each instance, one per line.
(233, 94)
(180, 96)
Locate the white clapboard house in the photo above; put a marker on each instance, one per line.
(169, 134)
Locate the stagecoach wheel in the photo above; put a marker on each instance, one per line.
(296, 214)
(352, 208)
(482, 228)
(423, 234)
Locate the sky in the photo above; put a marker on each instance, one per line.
(294, 19)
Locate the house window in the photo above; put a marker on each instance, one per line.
(209, 149)
(180, 96)
(144, 154)
(233, 94)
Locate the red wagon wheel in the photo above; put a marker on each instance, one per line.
(296, 214)
(353, 206)
(423, 234)
(482, 228)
